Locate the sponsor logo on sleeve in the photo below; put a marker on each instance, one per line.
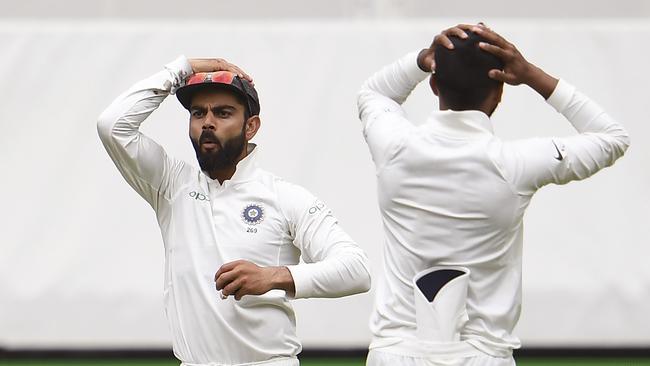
(317, 206)
(199, 196)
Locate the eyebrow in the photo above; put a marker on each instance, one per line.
(215, 108)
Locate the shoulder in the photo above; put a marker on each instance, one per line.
(289, 192)
(285, 192)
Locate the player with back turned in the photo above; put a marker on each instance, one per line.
(228, 225)
(452, 196)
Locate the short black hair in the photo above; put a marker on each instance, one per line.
(462, 73)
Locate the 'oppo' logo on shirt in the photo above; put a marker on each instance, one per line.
(317, 206)
(199, 196)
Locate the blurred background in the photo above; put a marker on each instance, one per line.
(81, 256)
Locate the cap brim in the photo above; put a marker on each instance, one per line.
(187, 92)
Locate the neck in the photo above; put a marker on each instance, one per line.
(223, 174)
(486, 108)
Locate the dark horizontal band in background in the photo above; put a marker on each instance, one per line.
(639, 352)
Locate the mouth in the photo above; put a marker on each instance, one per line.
(209, 143)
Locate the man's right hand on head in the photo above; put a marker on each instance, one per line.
(516, 70)
(217, 64)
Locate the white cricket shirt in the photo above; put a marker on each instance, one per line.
(453, 194)
(254, 216)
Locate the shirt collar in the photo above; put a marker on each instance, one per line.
(245, 167)
(461, 124)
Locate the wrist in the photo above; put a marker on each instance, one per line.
(530, 74)
(540, 81)
(421, 60)
(281, 279)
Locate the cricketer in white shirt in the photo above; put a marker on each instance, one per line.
(205, 223)
(452, 195)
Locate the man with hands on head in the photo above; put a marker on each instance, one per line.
(452, 196)
(228, 224)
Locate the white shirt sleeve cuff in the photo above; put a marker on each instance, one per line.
(179, 69)
(409, 64)
(561, 96)
(301, 280)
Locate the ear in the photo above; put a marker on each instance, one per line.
(252, 125)
(433, 84)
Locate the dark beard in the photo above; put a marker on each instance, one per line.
(222, 158)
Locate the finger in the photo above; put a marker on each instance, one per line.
(223, 269)
(442, 40)
(245, 76)
(491, 36)
(225, 278)
(466, 27)
(231, 288)
(499, 75)
(497, 51)
(237, 70)
(240, 293)
(456, 31)
(226, 267)
(234, 69)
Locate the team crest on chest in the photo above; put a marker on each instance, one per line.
(253, 214)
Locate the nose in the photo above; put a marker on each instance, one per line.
(209, 123)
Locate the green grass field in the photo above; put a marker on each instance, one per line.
(320, 362)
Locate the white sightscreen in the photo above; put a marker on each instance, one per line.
(81, 254)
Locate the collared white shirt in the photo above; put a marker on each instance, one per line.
(453, 194)
(254, 216)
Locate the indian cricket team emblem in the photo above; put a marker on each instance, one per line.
(253, 214)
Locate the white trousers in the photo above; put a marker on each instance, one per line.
(378, 358)
(285, 361)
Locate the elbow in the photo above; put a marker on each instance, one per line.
(361, 94)
(105, 124)
(621, 142)
(366, 283)
(355, 274)
(364, 96)
(625, 140)
(364, 277)
(360, 103)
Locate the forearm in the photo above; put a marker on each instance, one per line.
(141, 161)
(585, 115)
(540, 81)
(336, 276)
(121, 121)
(601, 139)
(281, 279)
(334, 265)
(393, 82)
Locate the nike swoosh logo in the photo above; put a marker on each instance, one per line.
(559, 156)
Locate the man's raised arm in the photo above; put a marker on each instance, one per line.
(600, 141)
